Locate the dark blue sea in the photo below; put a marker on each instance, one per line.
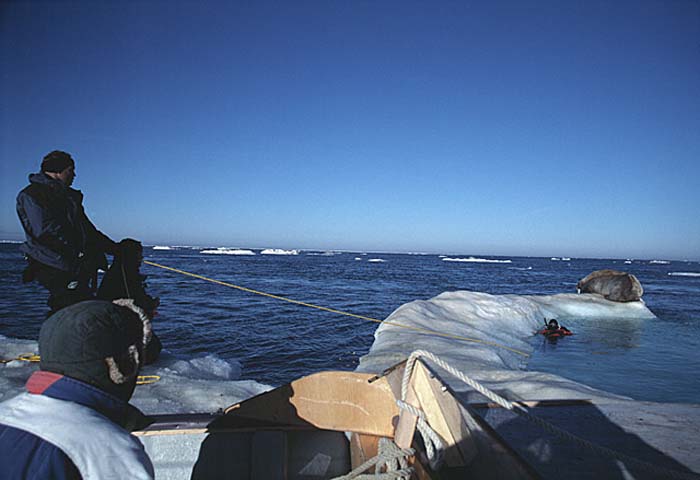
(276, 342)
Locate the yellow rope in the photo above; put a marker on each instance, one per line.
(339, 312)
(29, 357)
(33, 357)
(147, 379)
(24, 357)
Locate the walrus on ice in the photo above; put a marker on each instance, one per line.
(613, 285)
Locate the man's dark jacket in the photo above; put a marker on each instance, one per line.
(58, 233)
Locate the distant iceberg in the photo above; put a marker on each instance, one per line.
(279, 251)
(161, 247)
(376, 260)
(684, 274)
(475, 260)
(659, 262)
(228, 251)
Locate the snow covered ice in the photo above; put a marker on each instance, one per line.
(474, 260)
(507, 320)
(278, 251)
(227, 251)
(202, 384)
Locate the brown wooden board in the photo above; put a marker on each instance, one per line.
(362, 448)
(340, 401)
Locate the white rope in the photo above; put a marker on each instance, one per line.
(432, 441)
(522, 411)
(392, 459)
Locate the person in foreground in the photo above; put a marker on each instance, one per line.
(63, 247)
(73, 421)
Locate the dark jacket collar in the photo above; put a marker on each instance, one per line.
(42, 179)
(61, 387)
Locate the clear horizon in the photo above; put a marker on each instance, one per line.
(388, 252)
(502, 128)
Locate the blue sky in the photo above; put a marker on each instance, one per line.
(485, 128)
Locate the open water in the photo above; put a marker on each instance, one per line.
(276, 342)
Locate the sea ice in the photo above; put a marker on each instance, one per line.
(507, 320)
(279, 251)
(209, 383)
(475, 260)
(227, 251)
(202, 384)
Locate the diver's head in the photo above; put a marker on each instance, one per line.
(553, 324)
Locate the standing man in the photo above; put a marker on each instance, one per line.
(63, 248)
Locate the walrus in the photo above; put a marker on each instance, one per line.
(613, 285)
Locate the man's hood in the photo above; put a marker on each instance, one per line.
(43, 179)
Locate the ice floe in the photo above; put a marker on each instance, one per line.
(475, 260)
(278, 251)
(227, 251)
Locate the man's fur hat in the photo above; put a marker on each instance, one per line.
(97, 342)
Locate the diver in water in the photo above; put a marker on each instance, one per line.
(552, 329)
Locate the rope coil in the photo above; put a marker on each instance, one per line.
(390, 458)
